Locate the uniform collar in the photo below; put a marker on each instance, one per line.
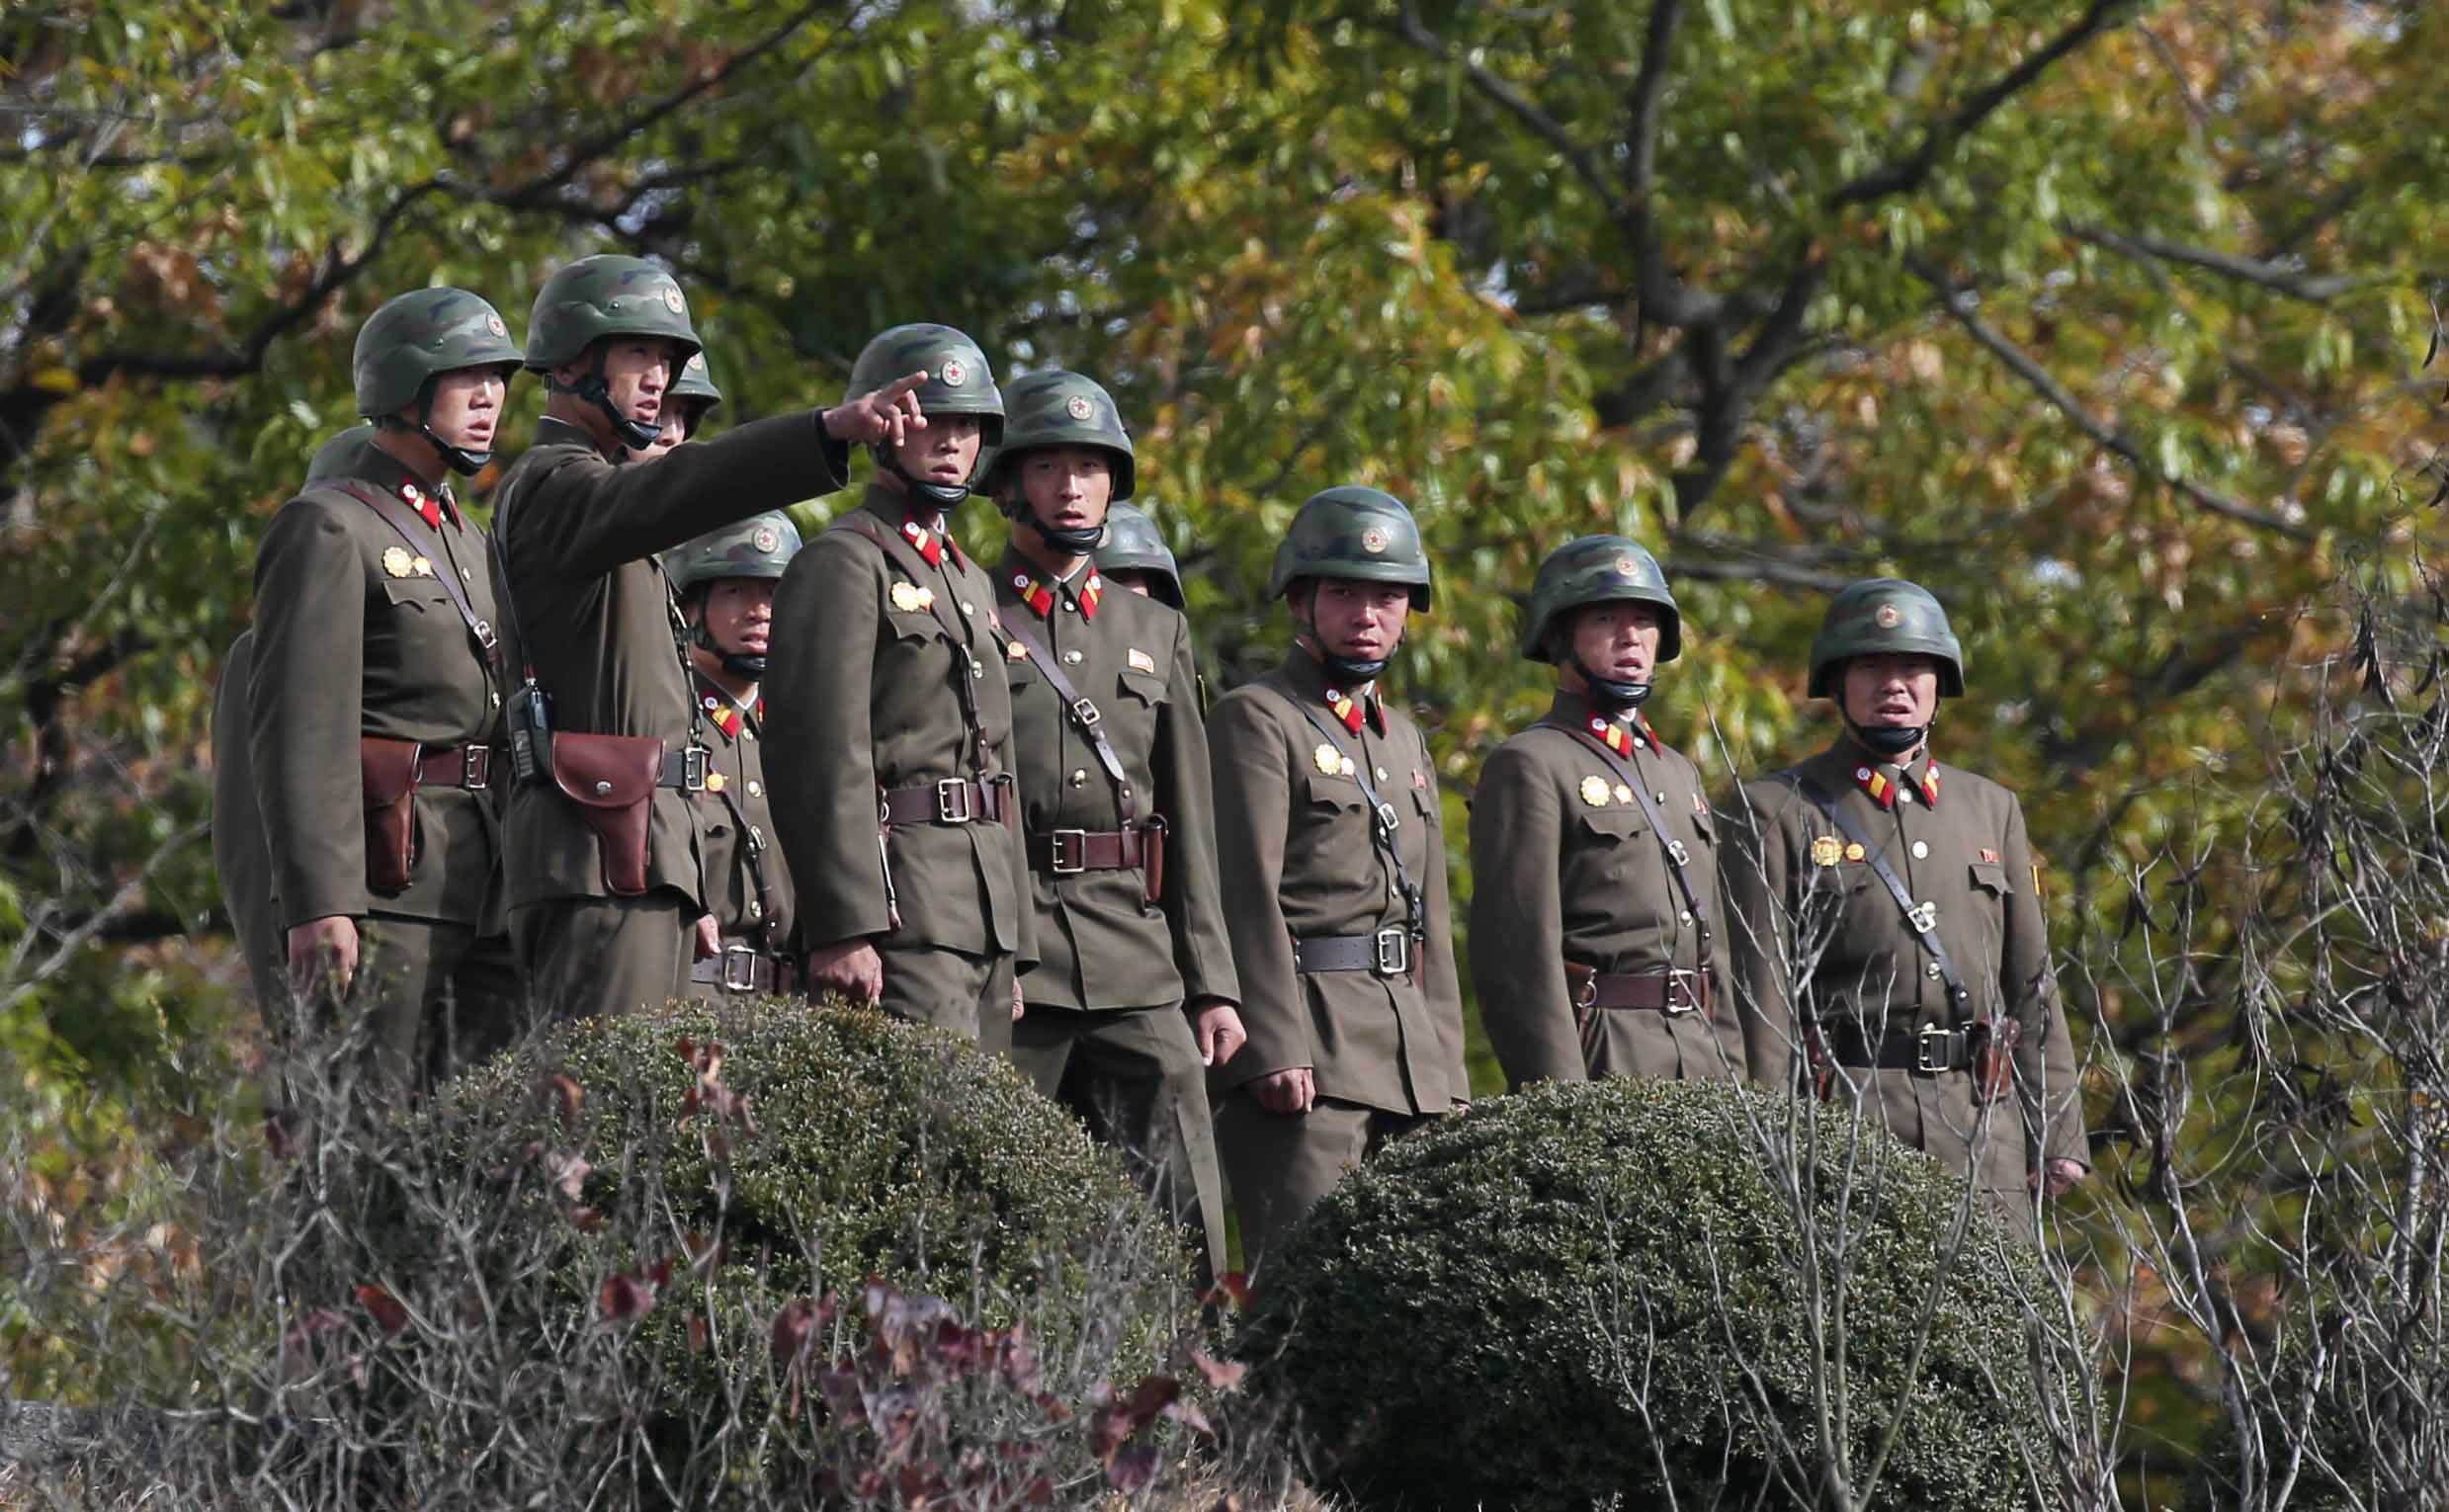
(552, 431)
(370, 464)
(1084, 589)
(911, 522)
(1884, 783)
(1620, 732)
(722, 711)
(1310, 677)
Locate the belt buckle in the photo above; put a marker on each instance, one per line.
(1925, 917)
(1587, 994)
(1389, 818)
(1676, 853)
(746, 980)
(475, 766)
(1929, 1062)
(953, 803)
(1077, 840)
(485, 637)
(693, 769)
(1086, 712)
(1393, 944)
(1681, 997)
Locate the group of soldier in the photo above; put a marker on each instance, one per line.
(637, 742)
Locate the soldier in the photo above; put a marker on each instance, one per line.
(726, 584)
(1134, 991)
(1134, 556)
(375, 694)
(686, 404)
(892, 723)
(1593, 852)
(1890, 917)
(607, 888)
(1332, 853)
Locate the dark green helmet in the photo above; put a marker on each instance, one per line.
(1885, 617)
(958, 380)
(1598, 570)
(1133, 545)
(1353, 533)
(417, 336)
(693, 386)
(760, 546)
(1057, 408)
(337, 455)
(607, 294)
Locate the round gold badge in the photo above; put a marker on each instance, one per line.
(1373, 539)
(1331, 762)
(1594, 791)
(396, 561)
(1855, 852)
(1888, 616)
(1624, 795)
(1826, 852)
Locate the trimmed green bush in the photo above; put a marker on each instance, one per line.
(1590, 1292)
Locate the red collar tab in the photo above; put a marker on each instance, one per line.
(429, 506)
(1039, 597)
(930, 543)
(1875, 782)
(1348, 710)
(1090, 592)
(1930, 783)
(1620, 738)
(722, 713)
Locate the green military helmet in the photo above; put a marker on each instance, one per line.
(1059, 408)
(1885, 617)
(1133, 545)
(959, 380)
(760, 546)
(334, 456)
(693, 386)
(1598, 570)
(415, 337)
(1356, 533)
(607, 294)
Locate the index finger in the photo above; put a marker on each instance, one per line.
(891, 393)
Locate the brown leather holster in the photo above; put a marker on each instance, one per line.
(387, 771)
(1153, 857)
(611, 780)
(1993, 1057)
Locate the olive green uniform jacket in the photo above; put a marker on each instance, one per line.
(239, 859)
(1565, 867)
(1100, 945)
(354, 637)
(579, 535)
(747, 886)
(1804, 898)
(871, 644)
(1295, 858)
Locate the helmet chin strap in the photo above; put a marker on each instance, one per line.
(460, 460)
(737, 663)
(1071, 543)
(1616, 693)
(939, 496)
(596, 389)
(1347, 669)
(1889, 740)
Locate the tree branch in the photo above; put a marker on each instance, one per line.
(1959, 304)
(1907, 173)
(2262, 274)
(1649, 92)
(1580, 159)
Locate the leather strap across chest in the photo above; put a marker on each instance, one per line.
(1383, 824)
(1678, 859)
(964, 688)
(1084, 715)
(1920, 918)
(407, 525)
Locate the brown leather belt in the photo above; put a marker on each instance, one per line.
(1674, 993)
(685, 769)
(742, 967)
(456, 766)
(1069, 852)
(1388, 952)
(1928, 1052)
(954, 801)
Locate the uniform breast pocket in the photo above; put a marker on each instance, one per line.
(419, 596)
(1991, 878)
(1332, 792)
(1139, 690)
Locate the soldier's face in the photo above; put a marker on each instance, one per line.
(1618, 641)
(468, 405)
(675, 430)
(637, 371)
(945, 453)
(739, 615)
(1897, 691)
(1067, 488)
(1362, 621)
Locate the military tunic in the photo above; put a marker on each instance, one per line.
(1297, 862)
(885, 674)
(1808, 894)
(357, 635)
(240, 861)
(1567, 868)
(747, 886)
(1106, 1030)
(578, 535)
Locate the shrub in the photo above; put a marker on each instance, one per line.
(1594, 1292)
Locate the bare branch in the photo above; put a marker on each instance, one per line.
(1521, 107)
(2262, 274)
(1649, 92)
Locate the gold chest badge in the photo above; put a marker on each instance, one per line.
(1329, 761)
(909, 597)
(397, 563)
(1826, 852)
(1594, 791)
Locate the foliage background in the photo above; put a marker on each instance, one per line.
(2106, 320)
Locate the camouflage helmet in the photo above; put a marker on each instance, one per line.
(1598, 570)
(607, 294)
(1133, 545)
(1352, 533)
(334, 458)
(760, 546)
(958, 380)
(414, 337)
(1057, 408)
(694, 385)
(1885, 617)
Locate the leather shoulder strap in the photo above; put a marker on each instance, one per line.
(1383, 822)
(1678, 856)
(1084, 715)
(1921, 919)
(408, 527)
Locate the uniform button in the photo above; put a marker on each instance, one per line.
(976, 670)
(756, 788)
(1922, 850)
(968, 608)
(1931, 970)
(1071, 608)
(1079, 778)
(463, 577)
(756, 910)
(1659, 797)
(1381, 774)
(1685, 915)
(1073, 657)
(497, 700)
(1905, 795)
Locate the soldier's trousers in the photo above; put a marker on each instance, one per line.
(431, 998)
(587, 957)
(1134, 1075)
(1279, 1164)
(970, 995)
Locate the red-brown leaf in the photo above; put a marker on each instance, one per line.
(386, 1308)
(571, 1097)
(1133, 1468)
(697, 1334)
(1233, 1288)
(587, 1219)
(791, 1327)
(624, 1298)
